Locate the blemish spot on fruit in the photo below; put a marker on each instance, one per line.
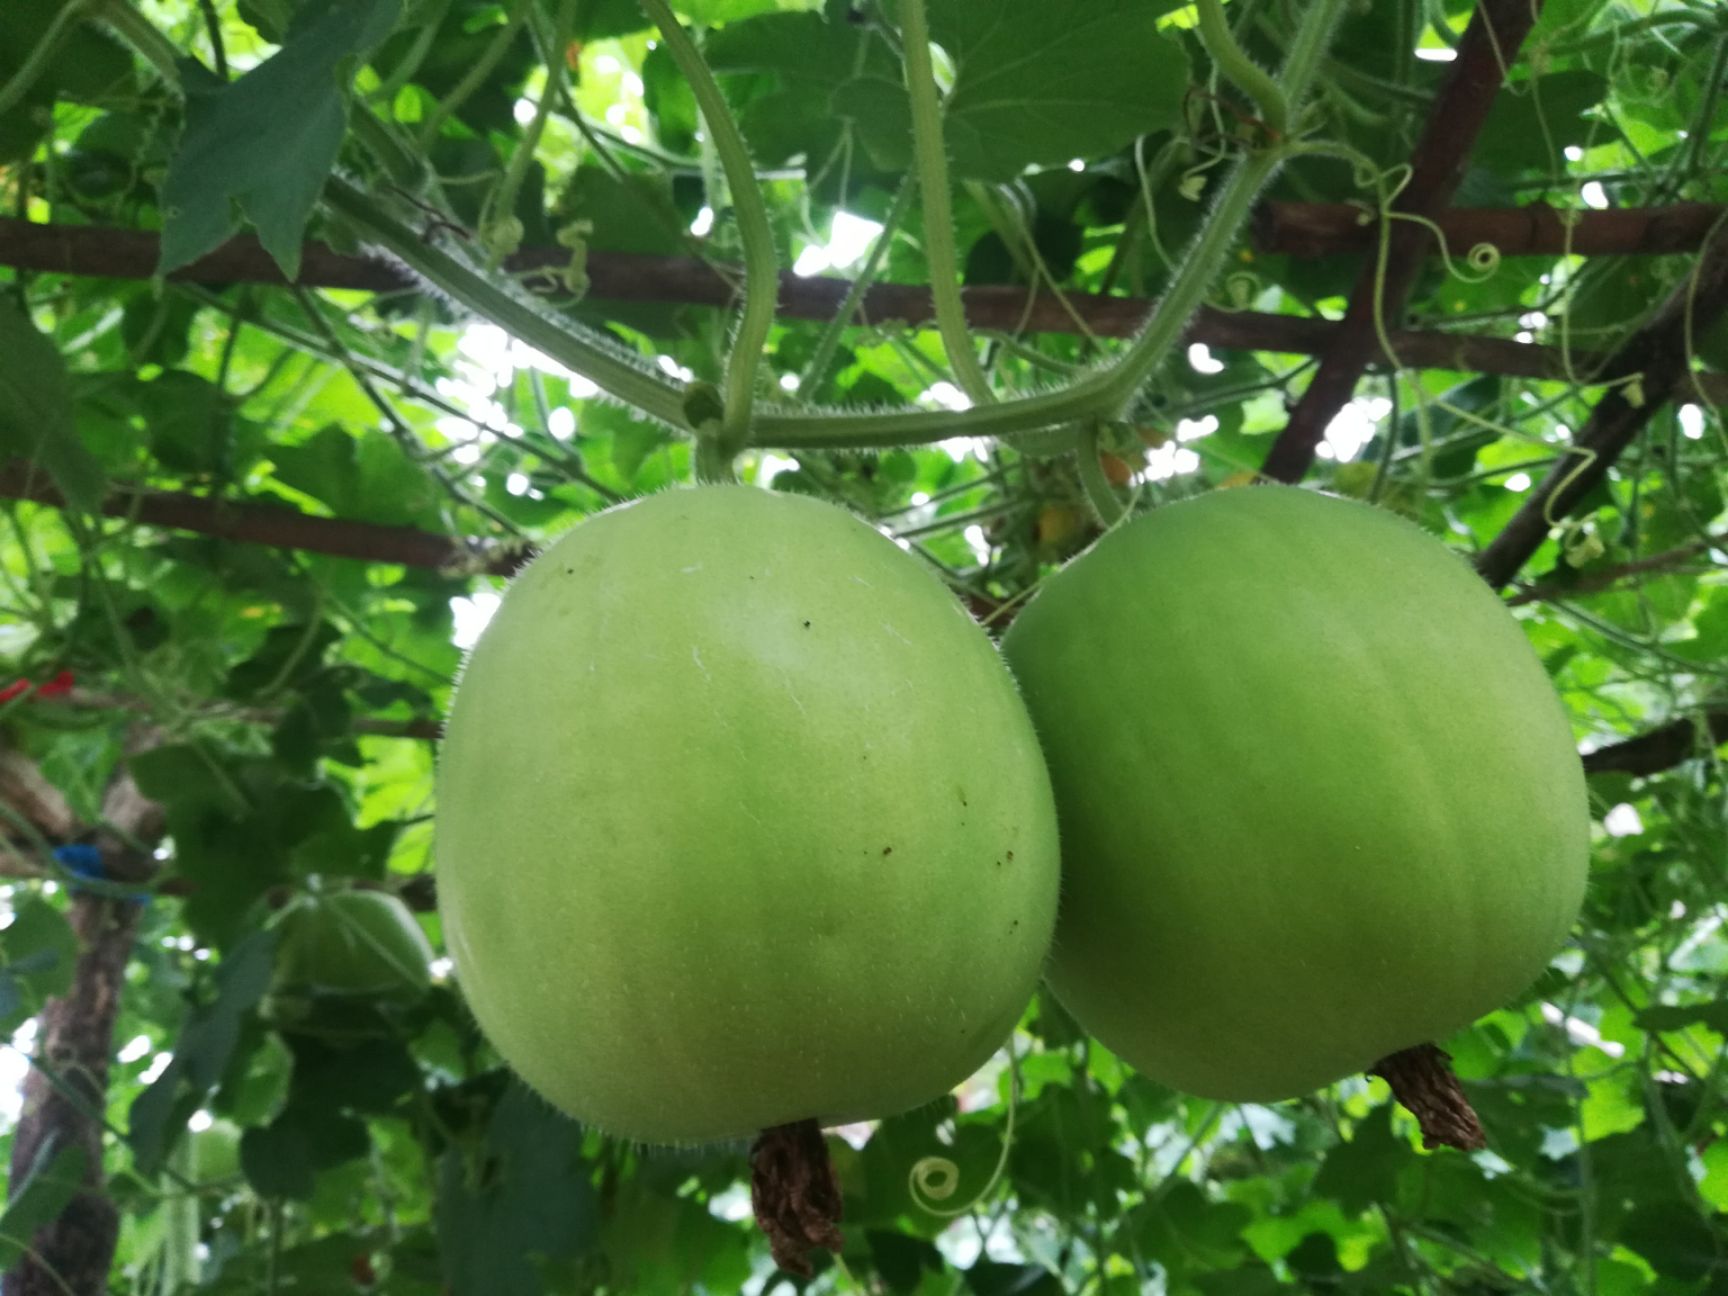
(806, 625)
(1010, 857)
(887, 850)
(962, 792)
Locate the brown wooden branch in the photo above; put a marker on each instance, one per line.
(1598, 579)
(1657, 351)
(33, 799)
(1664, 747)
(1489, 45)
(131, 254)
(274, 526)
(66, 1093)
(1324, 229)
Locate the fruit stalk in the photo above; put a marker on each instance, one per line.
(795, 1194)
(1423, 1083)
(761, 272)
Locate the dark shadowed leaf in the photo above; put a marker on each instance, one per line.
(265, 143)
(36, 421)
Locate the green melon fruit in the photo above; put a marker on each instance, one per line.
(213, 1153)
(1319, 802)
(740, 823)
(348, 945)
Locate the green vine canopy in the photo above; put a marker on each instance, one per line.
(319, 317)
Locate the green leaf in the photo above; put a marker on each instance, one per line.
(85, 64)
(1671, 1017)
(1676, 1241)
(902, 1261)
(793, 63)
(51, 1182)
(182, 776)
(1534, 121)
(368, 1077)
(327, 1264)
(708, 13)
(366, 478)
(36, 411)
(37, 952)
(267, 141)
(290, 655)
(1036, 83)
(1188, 1230)
(990, 1278)
(527, 1194)
(191, 422)
(202, 1052)
(283, 1158)
(1364, 1170)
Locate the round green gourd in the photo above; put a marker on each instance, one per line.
(740, 823)
(1319, 802)
(362, 944)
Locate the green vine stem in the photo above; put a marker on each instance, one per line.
(411, 62)
(934, 197)
(1100, 494)
(37, 60)
(499, 229)
(1243, 72)
(405, 168)
(476, 75)
(135, 29)
(616, 373)
(761, 268)
(1108, 392)
(1105, 393)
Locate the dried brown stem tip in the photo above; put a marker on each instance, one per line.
(1422, 1080)
(795, 1194)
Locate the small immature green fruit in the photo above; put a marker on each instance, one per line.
(214, 1153)
(740, 823)
(1319, 802)
(348, 945)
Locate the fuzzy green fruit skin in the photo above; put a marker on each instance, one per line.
(740, 822)
(359, 943)
(1318, 799)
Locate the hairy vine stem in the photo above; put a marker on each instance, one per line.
(761, 269)
(1105, 393)
(933, 196)
(1108, 392)
(614, 372)
(1100, 494)
(1243, 72)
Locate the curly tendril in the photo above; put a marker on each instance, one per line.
(1241, 288)
(935, 1179)
(1586, 457)
(1483, 258)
